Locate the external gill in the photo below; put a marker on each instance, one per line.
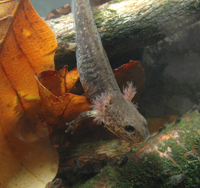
(74, 124)
(100, 104)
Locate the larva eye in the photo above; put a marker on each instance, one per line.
(129, 128)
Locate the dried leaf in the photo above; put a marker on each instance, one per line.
(27, 47)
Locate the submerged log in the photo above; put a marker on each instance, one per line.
(169, 158)
(127, 26)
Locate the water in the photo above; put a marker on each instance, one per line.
(43, 7)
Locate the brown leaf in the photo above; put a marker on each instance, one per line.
(131, 72)
(27, 47)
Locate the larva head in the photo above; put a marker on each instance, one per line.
(125, 121)
(121, 117)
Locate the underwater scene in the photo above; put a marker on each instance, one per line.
(100, 94)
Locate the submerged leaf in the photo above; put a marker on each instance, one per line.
(59, 107)
(27, 47)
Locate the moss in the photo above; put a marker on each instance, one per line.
(197, 144)
(192, 125)
(193, 6)
(177, 150)
(133, 173)
(106, 174)
(162, 147)
(86, 185)
(71, 37)
(193, 170)
(109, 172)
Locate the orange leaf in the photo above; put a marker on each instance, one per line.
(27, 46)
(71, 79)
(59, 107)
(73, 84)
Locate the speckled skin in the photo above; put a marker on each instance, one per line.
(96, 76)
